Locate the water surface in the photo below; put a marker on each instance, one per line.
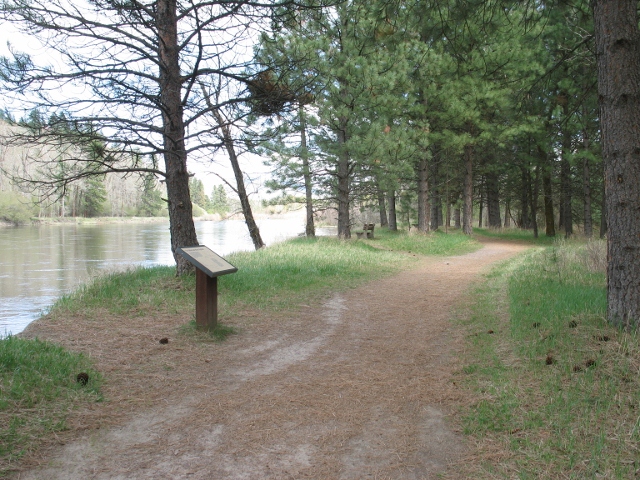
(38, 264)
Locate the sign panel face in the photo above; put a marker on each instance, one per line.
(207, 260)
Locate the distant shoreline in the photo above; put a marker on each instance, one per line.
(85, 221)
(108, 220)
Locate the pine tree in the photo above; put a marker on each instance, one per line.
(196, 189)
(93, 197)
(151, 199)
(219, 200)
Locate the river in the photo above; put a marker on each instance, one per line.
(38, 264)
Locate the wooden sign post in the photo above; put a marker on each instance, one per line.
(209, 266)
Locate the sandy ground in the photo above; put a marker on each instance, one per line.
(358, 386)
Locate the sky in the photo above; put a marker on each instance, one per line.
(256, 173)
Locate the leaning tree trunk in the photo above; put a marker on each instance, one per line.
(618, 63)
(310, 229)
(467, 208)
(423, 196)
(181, 226)
(254, 231)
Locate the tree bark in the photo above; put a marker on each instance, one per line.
(507, 213)
(493, 200)
(342, 172)
(603, 210)
(181, 226)
(424, 209)
(481, 207)
(533, 200)
(393, 221)
(384, 222)
(447, 214)
(618, 64)
(436, 200)
(547, 192)
(467, 208)
(525, 188)
(586, 186)
(565, 172)
(310, 229)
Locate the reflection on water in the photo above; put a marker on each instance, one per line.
(40, 263)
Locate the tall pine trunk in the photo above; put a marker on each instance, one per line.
(525, 188)
(493, 200)
(344, 222)
(507, 213)
(547, 192)
(533, 199)
(565, 171)
(181, 226)
(423, 196)
(481, 208)
(467, 208)
(393, 218)
(310, 228)
(603, 210)
(382, 208)
(586, 186)
(436, 199)
(618, 64)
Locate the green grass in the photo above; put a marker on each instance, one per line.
(435, 243)
(38, 388)
(557, 386)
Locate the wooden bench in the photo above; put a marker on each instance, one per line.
(367, 229)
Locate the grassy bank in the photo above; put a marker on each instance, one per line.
(557, 388)
(274, 277)
(38, 383)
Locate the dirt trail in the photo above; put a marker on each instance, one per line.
(357, 387)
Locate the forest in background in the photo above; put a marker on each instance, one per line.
(435, 115)
(426, 112)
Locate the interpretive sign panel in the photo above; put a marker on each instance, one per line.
(207, 260)
(209, 266)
